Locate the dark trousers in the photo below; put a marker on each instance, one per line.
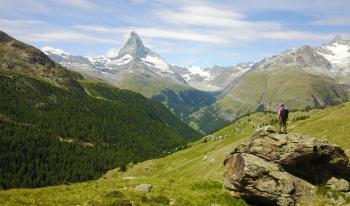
(282, 125)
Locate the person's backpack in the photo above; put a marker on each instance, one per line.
(284, 114)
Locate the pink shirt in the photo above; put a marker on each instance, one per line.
(280, 109)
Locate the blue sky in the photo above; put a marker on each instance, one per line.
(201, 33)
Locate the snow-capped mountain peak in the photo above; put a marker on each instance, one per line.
(50, 50)
(337, 52)
(134, 47)
(336, 39)
(215, 78)
(66, 59)
(134, 57)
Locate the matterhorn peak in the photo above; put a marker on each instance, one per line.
(134, 35)
(337, 39)
(134, 47)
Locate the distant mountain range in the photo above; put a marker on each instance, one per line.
(135, 58)
(303, 77)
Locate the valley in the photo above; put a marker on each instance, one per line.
(189, 177)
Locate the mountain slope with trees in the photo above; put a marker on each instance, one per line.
(56, 127)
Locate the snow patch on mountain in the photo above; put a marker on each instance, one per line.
(195, 70)
(121, 61)
(243, 69)
(66, 59)
(339, 54)
(289, 51)
(157, 62)
(50, 50)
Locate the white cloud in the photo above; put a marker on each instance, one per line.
(19, 22)
(67, 36)
(228, 36)
(334, 21)
(312, 7)
(100, 29)
(231, 26)
(112, 52)
(156, 32)
(295, 35)
(190, 28)
(59, 36)
(81, 4)
(177, 34)
(24, 6)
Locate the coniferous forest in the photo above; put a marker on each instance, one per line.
(51, 135)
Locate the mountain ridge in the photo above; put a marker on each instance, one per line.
(315, 64)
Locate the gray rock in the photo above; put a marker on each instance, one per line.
(143, 188)
(310, 158)
(338, 184)
(268, 129)
(262, 182)
(282, 169)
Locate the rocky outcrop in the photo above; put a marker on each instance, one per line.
(264, 182)
(143, 188)
(338, 184)
(283, 169)
(4, 37)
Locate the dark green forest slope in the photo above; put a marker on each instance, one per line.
(56, 128)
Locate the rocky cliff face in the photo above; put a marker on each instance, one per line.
(283, 169)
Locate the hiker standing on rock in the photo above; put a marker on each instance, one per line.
(282, 118)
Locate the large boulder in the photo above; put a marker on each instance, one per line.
(312, 159)
(263, 182)
(282, 169)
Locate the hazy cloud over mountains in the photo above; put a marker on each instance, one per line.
(183, 32)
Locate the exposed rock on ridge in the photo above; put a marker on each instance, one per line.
(283, 169)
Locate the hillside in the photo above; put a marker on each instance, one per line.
(264, 90)
(20, 58)
(58, 128)
(332, 123)
(303, 78)
(189, 177)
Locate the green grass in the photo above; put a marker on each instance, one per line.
(192, 176)
(332, 123)
(327, 196)
(262, 91)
